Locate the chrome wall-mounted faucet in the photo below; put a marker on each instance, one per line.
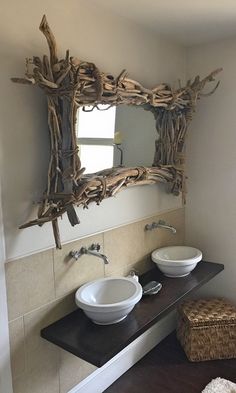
(160, 224)
(91, 250)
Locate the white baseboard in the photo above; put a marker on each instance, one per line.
(104, 376)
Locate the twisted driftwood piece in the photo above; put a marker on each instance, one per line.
(70, 83)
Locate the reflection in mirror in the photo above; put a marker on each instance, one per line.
(138, 135)
(95, 136)
(115, 136)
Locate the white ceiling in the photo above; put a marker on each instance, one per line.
(188, 22)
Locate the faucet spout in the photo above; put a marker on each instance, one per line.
(98, 254)
(160, 224)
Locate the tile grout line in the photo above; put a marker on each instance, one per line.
(43, 305)
(24, 330)
(103, 248)
(53, 269)
(59, 368)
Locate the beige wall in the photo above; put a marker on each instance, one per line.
(40, 290)
(40, 285)
(113, 43)
(211, 154)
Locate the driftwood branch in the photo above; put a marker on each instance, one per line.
(70, 83)
(45, 29)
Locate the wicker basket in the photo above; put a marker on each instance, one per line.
(207, 329)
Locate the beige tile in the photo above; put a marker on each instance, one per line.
(37, 365)
(131, 244)
(72, 371)
(39, 351)
(20, 384)
(177, 219)
(30, 283)
(140, 268)
(69, 273)
(124, 246)
(43, 380)
(17, 347)
(161, 237)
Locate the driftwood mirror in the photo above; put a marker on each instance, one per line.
(70, 84)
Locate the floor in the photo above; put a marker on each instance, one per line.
(166, 370)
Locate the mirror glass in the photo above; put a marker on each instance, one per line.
(115, 136)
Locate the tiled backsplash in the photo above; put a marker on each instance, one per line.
(40, 290)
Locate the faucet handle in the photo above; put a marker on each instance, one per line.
(155, 224)
(148, 227)
(73, 254)
(77, 254)
(95, 246)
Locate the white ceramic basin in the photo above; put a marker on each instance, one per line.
(108, 300)
(176, 261)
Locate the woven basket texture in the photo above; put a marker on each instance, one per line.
(207, 329)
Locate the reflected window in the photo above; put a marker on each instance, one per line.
(95, 137)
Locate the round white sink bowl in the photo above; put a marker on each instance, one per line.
(176, 261)
(108, 300)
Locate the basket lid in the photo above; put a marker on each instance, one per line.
(208, 312)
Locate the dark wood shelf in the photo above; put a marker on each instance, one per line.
(166, 369)
(97, 344)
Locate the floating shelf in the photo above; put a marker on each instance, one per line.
(97, 344)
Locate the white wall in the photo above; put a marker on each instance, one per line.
(113, 43)
(211, 155)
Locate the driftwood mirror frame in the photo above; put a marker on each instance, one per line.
(70, 83)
